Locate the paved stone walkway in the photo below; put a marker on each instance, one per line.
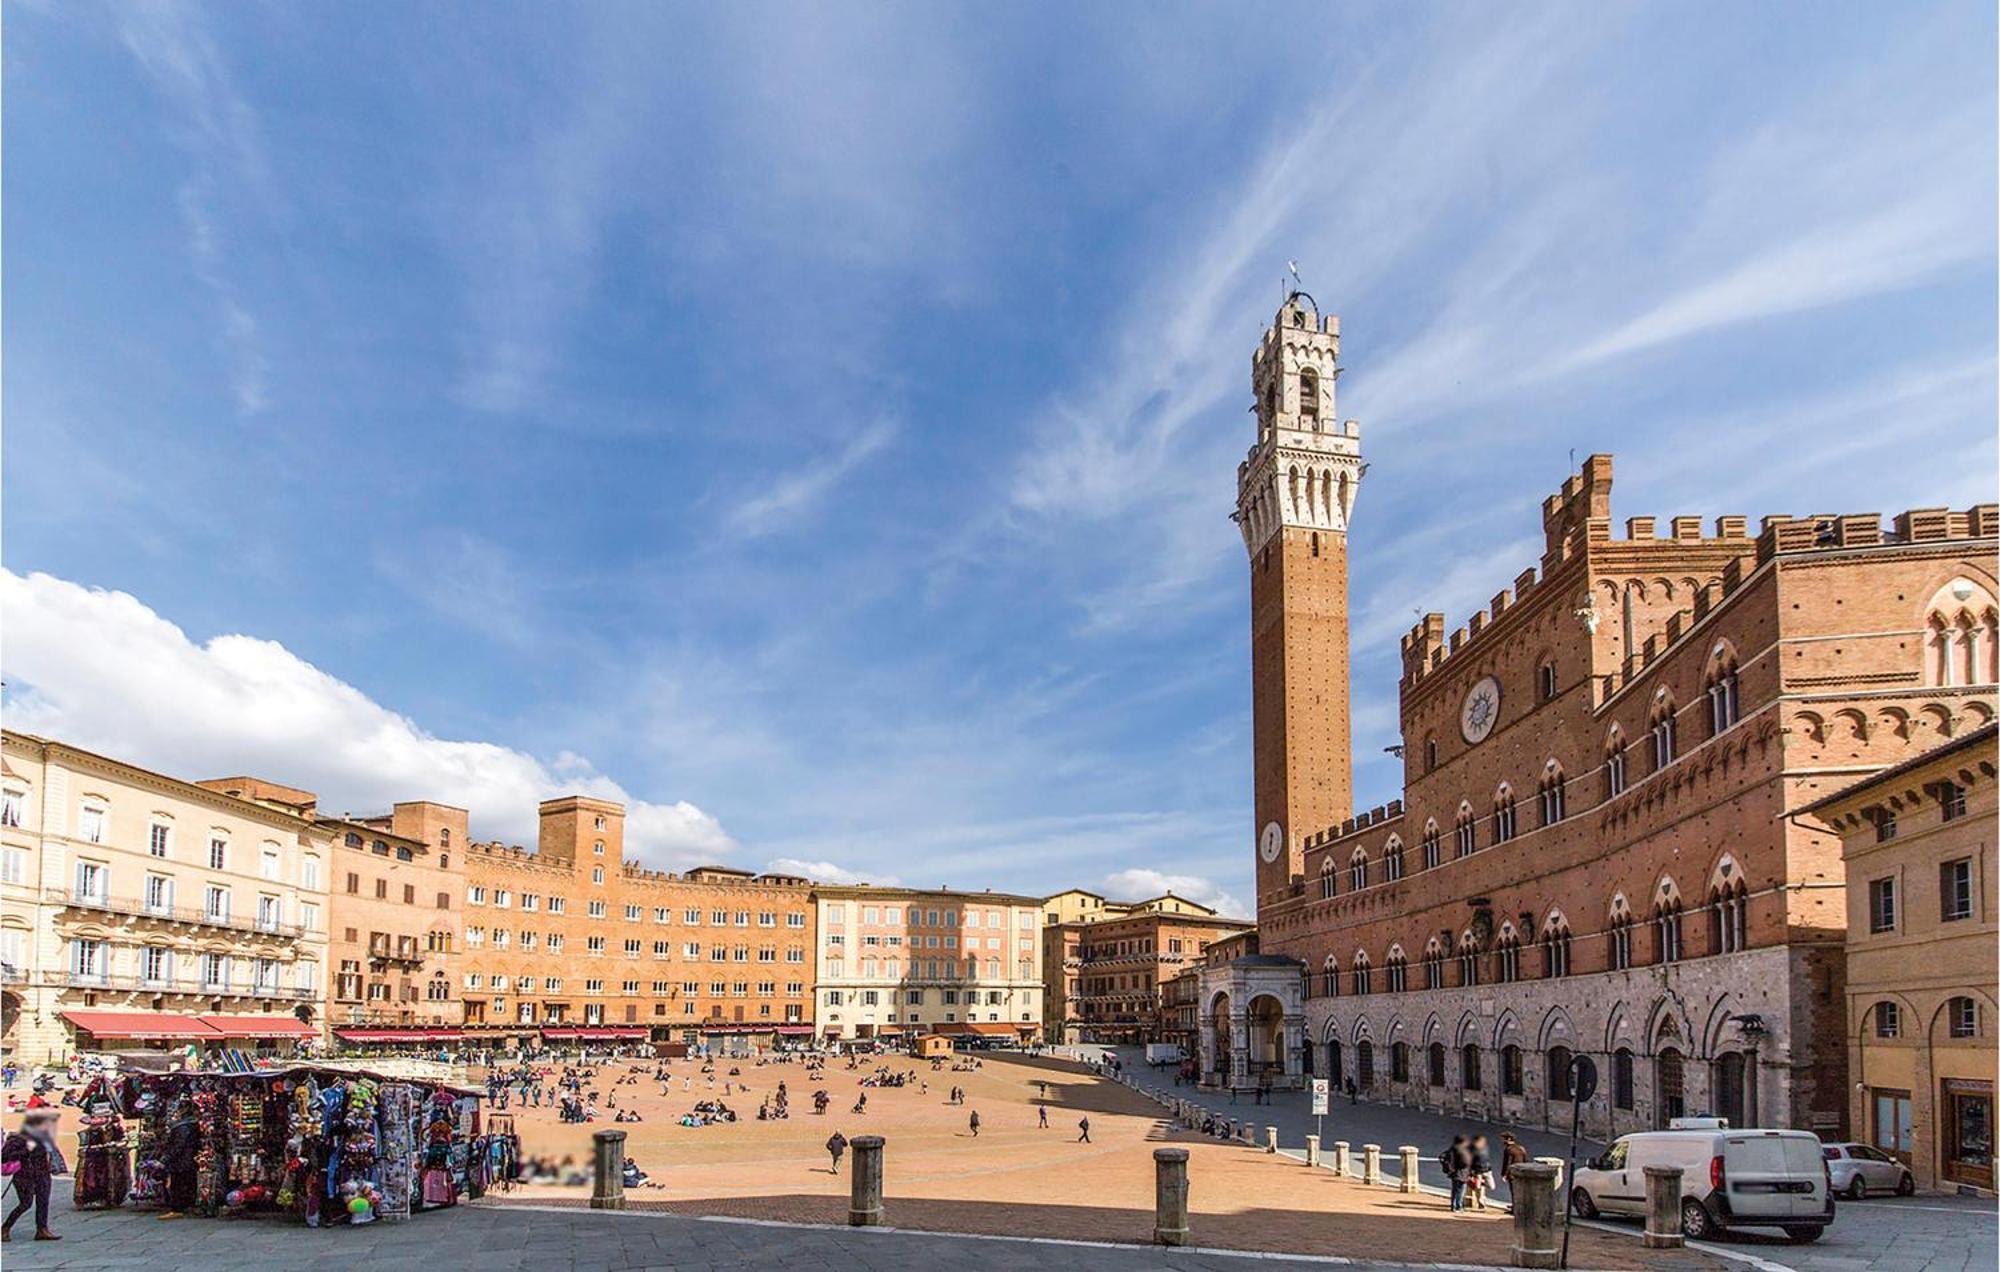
(1889, 1234)
(517, 1239)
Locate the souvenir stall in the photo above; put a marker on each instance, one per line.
(329, 1146)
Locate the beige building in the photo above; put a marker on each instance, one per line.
(141, 910)
(1105, 968)
(1917, 840)
(895, 961)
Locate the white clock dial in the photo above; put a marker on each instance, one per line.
(1273, 841)
(1480, 711)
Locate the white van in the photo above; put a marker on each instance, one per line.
(1729, 1179)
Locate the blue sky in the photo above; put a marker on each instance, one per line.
(817, 424)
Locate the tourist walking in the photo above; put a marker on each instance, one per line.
(836, 1144)
(30, 1152)
(1083, 1125)
(1456, 1162)
(1043, 1112)
(973, 1122)
(1479, 1174)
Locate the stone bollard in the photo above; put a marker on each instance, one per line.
(1663, 1208)
(1535, 1222)
(607, 1188)
(1170, 1196)
(1556, 1162)
(1312, 1150)
(1270, 1139)
(1343, 1164)
(1371, 1163)
(864, 1202)
(1410, 1183)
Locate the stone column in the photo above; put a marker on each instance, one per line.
(1170, 1196)
(864, 1204)
(1343, 1164)
(1663, 1208)
(1270, 1139)
(1536, 1230)
(1239, 1050)
(1312, 1150)
(607, 1189)
(1371, 1163)
(1408, 1153)
(1295, 1045)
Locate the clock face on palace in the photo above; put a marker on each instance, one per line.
(1272, 843)
(1481, 710)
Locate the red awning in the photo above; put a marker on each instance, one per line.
(259, 1026)
(142, 1024)
(792, 1029)
(395, 1034)
(595, 1034)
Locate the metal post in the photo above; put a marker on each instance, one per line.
(864, 1204)
(1663, 1208)
(1534, 1186)
(607, 1190)
(1170, 1196)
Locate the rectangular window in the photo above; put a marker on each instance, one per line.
(1882, 905)
(156, 965)
(1951, 800)
(13, 865)
(88, 960)
(1955, 890)
(90, 826)
(218, 854)
(215, 903)
(158, 836)
(270, 913)
(159, 894)
(91, 882)
(10, 807)
(267, 863)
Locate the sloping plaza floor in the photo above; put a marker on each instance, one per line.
(1016, 1178)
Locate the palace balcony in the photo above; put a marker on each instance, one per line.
(80, 903)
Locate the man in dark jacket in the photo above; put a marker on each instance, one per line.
(1456, 1162)
(836, 1144)
(29, 1149)
(178, 1156)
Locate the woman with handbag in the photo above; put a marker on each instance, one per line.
(27, 1158)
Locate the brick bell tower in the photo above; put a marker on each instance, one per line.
(1294, 494)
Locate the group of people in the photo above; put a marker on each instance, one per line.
(708, 1113)
(1468, 1167)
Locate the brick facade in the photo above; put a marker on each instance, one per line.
(1608, 868)
(573, 934)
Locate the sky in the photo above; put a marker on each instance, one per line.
(816, 425)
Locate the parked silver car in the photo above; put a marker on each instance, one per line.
(1860, 1169)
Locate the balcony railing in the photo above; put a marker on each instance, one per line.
(69, 978)
(136, 907)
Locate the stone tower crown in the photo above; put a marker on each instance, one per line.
(1306, 463)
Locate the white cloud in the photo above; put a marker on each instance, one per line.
(1139, 884)
(795, 493)
(1143, 885)
(828, 872)
(100, 670)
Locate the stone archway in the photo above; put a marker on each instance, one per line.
(1265, 1035)
(1225, 1042)
(1669, 1086)
(1732, 1086)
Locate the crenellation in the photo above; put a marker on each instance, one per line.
(1685, 528)
(1639, 528)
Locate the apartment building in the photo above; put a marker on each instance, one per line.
(896, 961)
(1105, 974)
(571, 940)
(143, 910)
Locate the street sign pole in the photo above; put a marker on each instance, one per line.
(1582, 1085)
